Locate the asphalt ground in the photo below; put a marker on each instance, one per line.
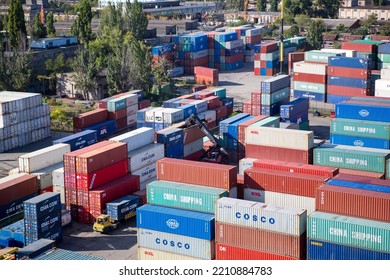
(121, 244)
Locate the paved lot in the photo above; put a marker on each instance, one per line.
(121, 244)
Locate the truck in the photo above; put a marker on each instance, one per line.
(117, 212)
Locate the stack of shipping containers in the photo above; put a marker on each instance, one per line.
(206, 76)
(296, 112)
(163, 54)
(24, 119)
(228, 51)
(383, 56)
(274, 93)
(266, 59)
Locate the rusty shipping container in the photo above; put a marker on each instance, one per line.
(229, 252)
(198, 173)
(90, 118)
(100, 158)
(284, 182)
(17, 186)
(261, 240)
(362, 203)
(294, 167)
(283, 154)
(362, 173)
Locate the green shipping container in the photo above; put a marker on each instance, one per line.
(220, 92)
(116, 104)
(384, 58)
(365, 159)
(362, 233)
(318, 56)
(268, 99)
(368, 129)
(312, 87)
(269, 122)
(304, 125)
(184, 196)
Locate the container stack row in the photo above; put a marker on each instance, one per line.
(24, 119)
(163, 54)
(227, 52)
(383, 56)
(295, 114)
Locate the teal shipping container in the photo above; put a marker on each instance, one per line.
(367, 129)
(319, 56)
(362, 233)
(348, 157)
(268, 122)
(268, 99)
(311, 87)
(220, 92)
(184, 196)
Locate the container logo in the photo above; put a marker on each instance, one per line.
(80, 143)
(358, 143)
(364, 113)
(173, 224)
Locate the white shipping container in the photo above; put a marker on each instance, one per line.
(177, 244)
(131, 99)
(382, 93)
(244, 164)
(45, 176)
(13, 171)
(347, 53)
(146, 173)
(131, 119)
(208, 116)
(234, 44)
(199, 54)
(143, 185)
(280, 138)
(44, 157)
(281, 199)
(58, 177)
(145, 156)
(200, 106)
(257, 64)
(253, 32)
(261, 216)
(150, 115)
(193, 147)
(151, 254)
(132, 109)
(385, 73)
(61, 191)
(382, 84)
(172, 115)
(309, 68)
(136, 139)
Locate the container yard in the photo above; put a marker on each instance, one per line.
(219, 173)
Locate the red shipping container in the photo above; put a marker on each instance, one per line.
(48, 189)
(247, 107)
(270, 47)
(309, 78)
(212, 102)
(294, 57)
(256, 57)
(270, 72)
(254, 40)
(242, 126)
(362, 173)
(142, 104)
(229, 252)
(368, 48)
(234, 58)
(212, 125)
(221, 112)
(230, 111)
(84, 215)
(142, 196)
(283, 182)
(198, 173)
(117, 115)
(204, 94)
(263, 64)
(294, 167)
(195, 156)
(349, 72)
(192, 134)
(360, 203)
(379, 38)
(206, 80)
(102, 176)
(82, 198)
(101, 157)
(348, 91)
(113, 190)
(198, 88)
(266, 152)
(90, 118)
(261, 240)
(257, 71)
(256, 97)
(351, 37)
(205, 71)
(188, 97)
(71, 199)
(18, 188)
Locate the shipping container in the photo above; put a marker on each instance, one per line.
(45, 176)
(79, 140)
(123, 207)
(274, 84)
(294, 107)
(244, 164)
(184, 196)
(35, 249)
(41, 205)
(310, 68)
(61, 254)
(345, 230)
(311, 87)
(362, 179)
(282, 154)
(146, 173)
(261, 216)
(193, 147)
(359, 141)
(366, 129)
(42, 158)
(348, 53)
(348, 91)
(144, 156)
(229, 252)
(151, 254)
(349, 82)
(136, 139)
(15, 206)
(275, 97)
(38, 227)
(17, 186)
(177, 244)
(90, 118)
(103, 129)
(279, 138)
(170, 137)
(349, 72)
(313, 96)
(316, 56)
(261, 240)
(351, 62)
(58, 177)
(199, 173)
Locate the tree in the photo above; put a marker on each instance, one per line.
(112, 16)
(235, 5)
(50, 29)
(370, 23)
(140, 65)
(294, 30)
(273, 5)
(297, 7)
(54, 67)
(327, 8)
(15, 71)
(302, 21)
(261, 5)
(81, 27)
(314, 35)
(136, 20)
(16, 24)
(38, 29)
(378, 2)
(384, 30)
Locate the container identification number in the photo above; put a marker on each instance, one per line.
(254, 270)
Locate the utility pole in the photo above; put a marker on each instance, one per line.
(281, 46)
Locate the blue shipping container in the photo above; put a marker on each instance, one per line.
(188, 110)
(334, 99)
(14, 206)
(52, 234)
(158, 126)
(297, 118)
(314, 96)
(384, 48)
(79, 140)
(276, 83)
(349, 62)
(233, 127)
(349, 82)
(228, 102)
(141, 113)
(359, 141)
(170, 137)
(103, 129)
(41, 205)
(369, 112)
(163, 49)
(233, 66)
(176, 221)
(119, 208)
(35, 249)
(321, 250)
(293, 107)
(175, 151)
(234, 51)
(358, 185)
(5, 241)
(223, 125)
(170, 103)
(273, 109)
(16, 232)
(38, 227)
(226, 36)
